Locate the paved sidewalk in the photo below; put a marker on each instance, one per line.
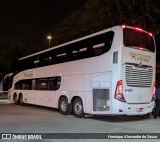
(36, 119)
(4, 101)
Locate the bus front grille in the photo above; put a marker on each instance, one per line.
(138, 76)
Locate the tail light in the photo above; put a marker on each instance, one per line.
(119, 91)
(141, 48)
(123, 26)
(154, 92)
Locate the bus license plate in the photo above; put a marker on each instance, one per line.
(139, 109)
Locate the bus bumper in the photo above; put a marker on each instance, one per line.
(134, 109)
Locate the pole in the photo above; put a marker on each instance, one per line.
(49, 40)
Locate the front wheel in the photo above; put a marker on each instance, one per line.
(78, 108)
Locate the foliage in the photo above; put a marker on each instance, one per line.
(100, 14)
(7, 57)
(158, 74)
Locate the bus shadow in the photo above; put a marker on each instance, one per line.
(117, 119)
(41, 107)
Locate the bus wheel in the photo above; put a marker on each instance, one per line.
(16, 101)
(78, 108)
(21, 100)
(64, 106)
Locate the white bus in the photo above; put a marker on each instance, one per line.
(111, 72)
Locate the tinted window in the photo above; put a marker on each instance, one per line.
(51, 83)
(42, 84)
(23, 85)
(89, 47)
(135, 39)
(102, 43)
(54, 83)
(34, 84)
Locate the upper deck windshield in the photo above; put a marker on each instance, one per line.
(138, 39)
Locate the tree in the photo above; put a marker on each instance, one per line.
(101, 14)
(14, 52)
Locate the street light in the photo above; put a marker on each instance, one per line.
(49, 40)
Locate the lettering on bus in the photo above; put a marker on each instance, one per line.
(140, 57)
(128, 90)
(28, 74)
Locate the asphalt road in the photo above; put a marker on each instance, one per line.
(36, 119)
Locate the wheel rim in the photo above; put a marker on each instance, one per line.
(78, 108)
(63, 105)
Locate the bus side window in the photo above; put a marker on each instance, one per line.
(54, 83)
(42, 84)
(102, 43)
(61, 57)
(34, 83)
(98, 48)
(18, 85)
(58, 82)
(23, 86)
(51, 84)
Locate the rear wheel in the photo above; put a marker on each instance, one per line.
(64, 106)
(21, 100)
(78, 108)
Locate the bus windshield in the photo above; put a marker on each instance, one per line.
(138, 39)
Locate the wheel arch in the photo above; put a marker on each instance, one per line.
(75, 97)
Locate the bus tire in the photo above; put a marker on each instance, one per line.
(21, 100)
(64, 106)
(78, 108)
(16, 101)
(70, 109)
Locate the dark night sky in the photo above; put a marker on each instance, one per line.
(32, 20)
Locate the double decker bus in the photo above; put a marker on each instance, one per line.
(110, 72)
